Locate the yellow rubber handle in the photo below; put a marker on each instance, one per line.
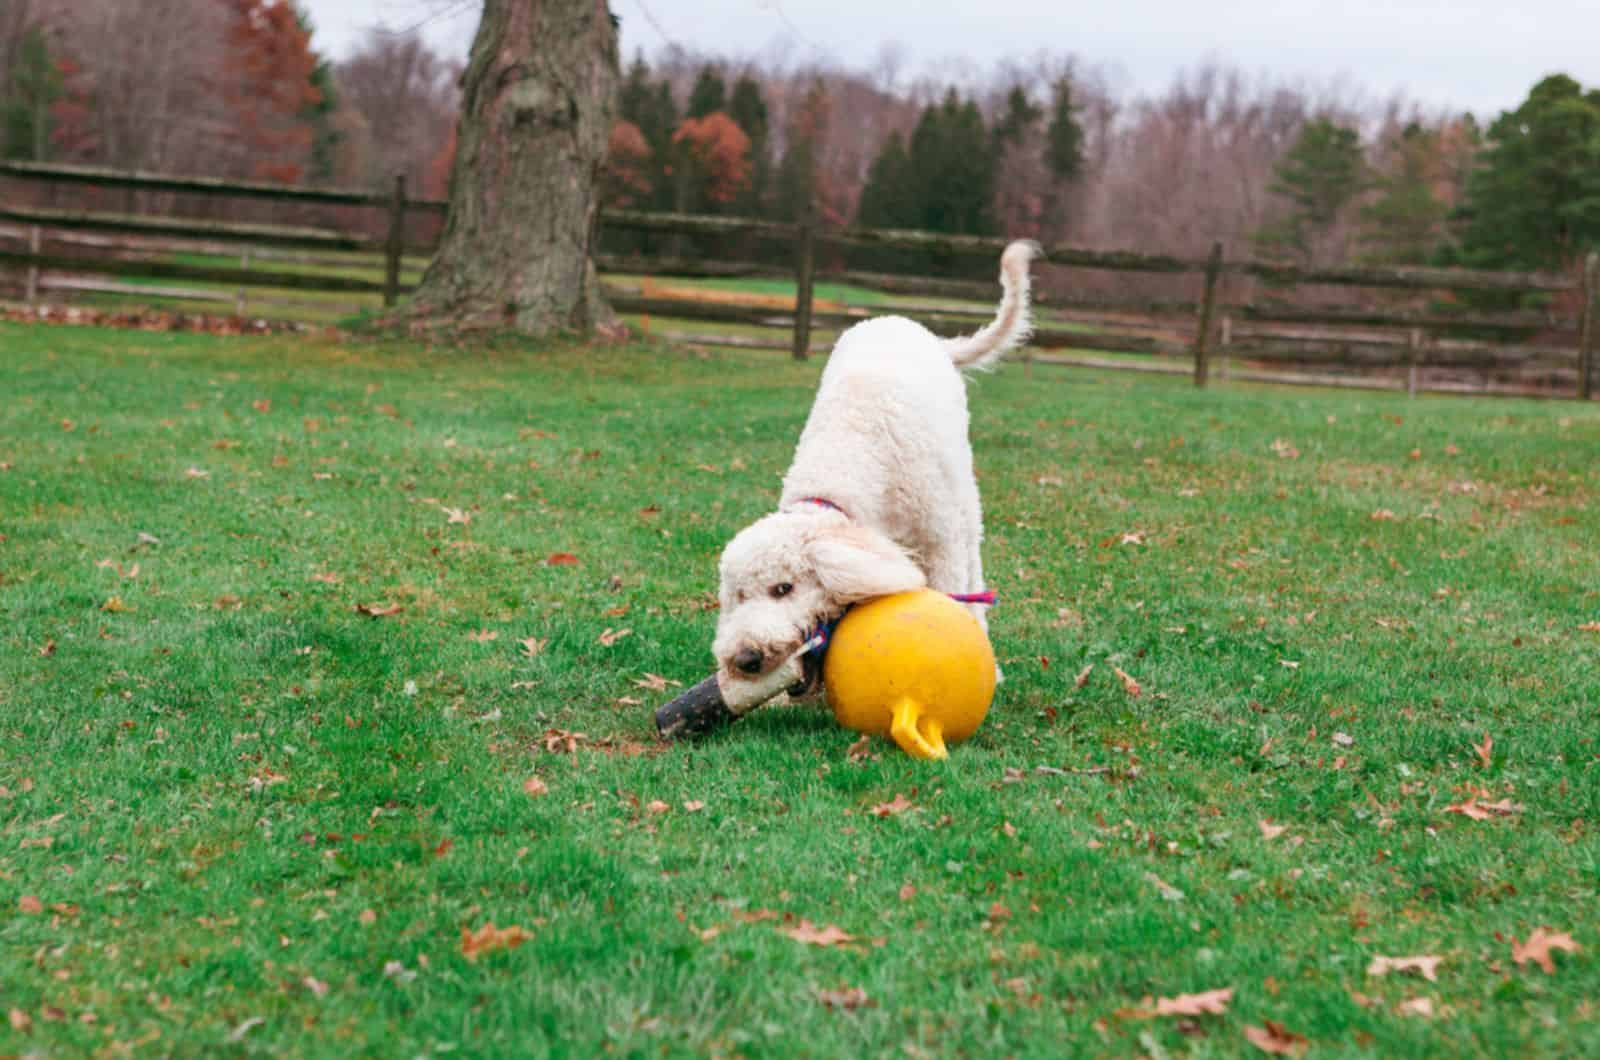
(925, 741)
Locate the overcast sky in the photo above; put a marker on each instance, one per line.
(1479, 55)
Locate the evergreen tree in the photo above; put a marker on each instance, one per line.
(888, 199)
(1534, 199)
(650, 108)
(748, 109)
(1405, 223)
(325, 136)
(952, 168)
(797, 186)
(1017, 121)
(1322, 173)
(34, 85)
(1064, 137)
(710, 93)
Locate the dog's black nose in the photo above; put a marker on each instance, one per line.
(748, 661)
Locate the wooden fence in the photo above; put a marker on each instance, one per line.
(1366, 340)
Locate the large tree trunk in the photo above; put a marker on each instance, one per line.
(538, 99)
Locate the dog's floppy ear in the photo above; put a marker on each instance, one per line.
(855, 563)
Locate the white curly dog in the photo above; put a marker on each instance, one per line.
(881, 496)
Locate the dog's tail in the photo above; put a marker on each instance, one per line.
(1011, 325)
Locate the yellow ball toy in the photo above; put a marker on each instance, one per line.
(915, 666)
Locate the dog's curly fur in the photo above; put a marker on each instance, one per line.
(881, 496)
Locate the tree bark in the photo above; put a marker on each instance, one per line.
(538, 99)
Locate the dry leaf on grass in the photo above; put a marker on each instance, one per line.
(1129, 685)
(1214, 1002)
(1424, 966)
(383, 610)
(535, 786)
(1482, 811)
(611, 636)
(1270, 831)
(21, 1022)
(1277, 1039)
(657, 806)
(858, 750)
(1589, 627)
(532, 646)
(1537, 948)
(561, 559)
(655, 682)
(483, 636)
(30, 904)
(811, 935)
(849, 997)
(908, 891)
(899, 804)
(315, 985)
(1485, 751)
(114, 605)
(694, 806)
(489, 938)
(457, 516)
(1083, 676)
(1416, 1006)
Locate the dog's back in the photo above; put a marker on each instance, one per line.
(891, 410)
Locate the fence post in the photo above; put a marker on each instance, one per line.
(238, 299)
(1413, 360)
(33, 270)
(1591, 275)
(1224, 340)
(1208, 305)
(804, 271)
(397, 242)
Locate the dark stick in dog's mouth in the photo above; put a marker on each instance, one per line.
(703, 708)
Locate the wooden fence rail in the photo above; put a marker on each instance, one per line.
(1332, 337)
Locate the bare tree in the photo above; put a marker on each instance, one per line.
(403, 98)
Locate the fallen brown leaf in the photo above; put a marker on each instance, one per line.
(535, 786)
(383, 610)
(1129, 685)
(1416, 1006)
(30, 904)
(483, 636)
(1589, 627)
(21, 1022)
(49, 649)
(849, 997)
(532, 646)
(561, 559)
(489, 938)
(1270, 831)
(859, 749)
(456, 516)
(1213, 1002)
(1083, 676)
(1537, 948)
(908, 891)
(1425, 966)
(115, 605)
(1482, 811)
(1275, 1038)
(611, 636)
(811, 935)
(899, 804)
(655, 682)
(694, 806)
(657, 806)
(315, 985)
(1485, 751)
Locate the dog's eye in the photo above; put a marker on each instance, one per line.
(782, 589)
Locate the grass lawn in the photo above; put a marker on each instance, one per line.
(238, 816)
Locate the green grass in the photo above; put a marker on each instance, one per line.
(237, 800)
